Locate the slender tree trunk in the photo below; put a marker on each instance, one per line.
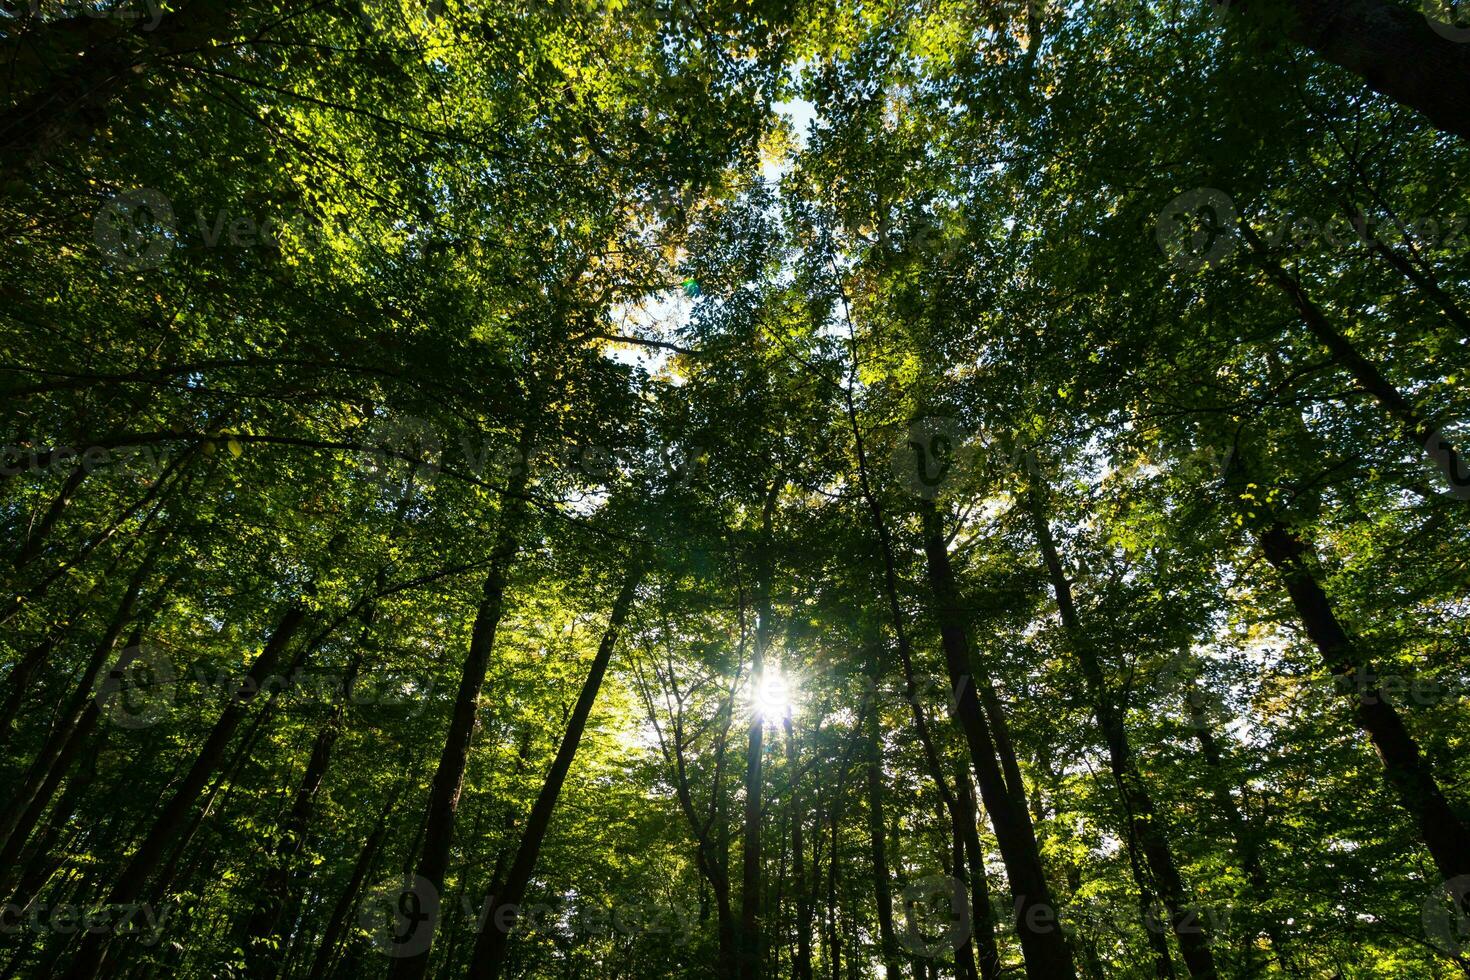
(1148, 909)
(1392, 47)
(1422, 278)
(982, 916)
(337, 921)
(18, 681)
(504, 906)
(36, 536)
(1247, 850)
(438, 827)
(1412, 424)
(751, 942)
(801, 964)
(1145, 826)
(175, 813)
(1445, 834)
(80, 709)
(878, 848)
(834, 944)
(40, 859)
(964, 953)
(1042, 940)
(262, 939)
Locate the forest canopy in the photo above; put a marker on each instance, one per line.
(734, 489)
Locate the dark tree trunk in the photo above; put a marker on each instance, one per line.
(801, 964)
(438, 827)
(175, 813)
(1412, 424)
(751, 947)
(263, 937)
(80, 710)
(337, 922)
(36, 536)
(878, 848)
(1042, 940)
(503, 907)
(1391, 46)
(1144, 824)
(982, 916)
(1445, 834)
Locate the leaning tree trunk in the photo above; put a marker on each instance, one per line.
(1391, 46)
(1144, 824)
(337, 922)
(175, 813)
(81, 709)
(1412, 424)
(1445, 834)
(438, 828)
(1042, 940)
(263, 937)
(502, 908)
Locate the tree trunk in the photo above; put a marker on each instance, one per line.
(36, 536)
(262, 937)
(336, 923)
(982, 916)
(1391, 46)
(438, 827)
(878, 848)
(751, 945)
(1445, 834)
(502, 908)
(175, 812)
(1042, 940)
(801, 964)
(1414, 427)
(1247, 850)
(81, 709)
(1144, 825)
